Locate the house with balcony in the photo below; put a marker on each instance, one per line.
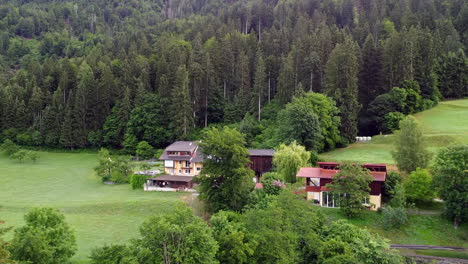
(182, 162)
(317, 179)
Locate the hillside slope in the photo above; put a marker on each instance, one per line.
(445, 124)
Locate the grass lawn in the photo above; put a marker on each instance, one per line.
(99, 213)
(421, 230)
(442, 125)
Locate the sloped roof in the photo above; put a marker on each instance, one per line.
(262, 152)
(174, 178)
(328, 174)
(182, 146)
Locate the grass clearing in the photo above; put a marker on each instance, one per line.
(100, 214)
(442, 125)
(421, 230)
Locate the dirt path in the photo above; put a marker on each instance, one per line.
(396, 246)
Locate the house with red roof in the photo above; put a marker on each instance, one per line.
(318, 177)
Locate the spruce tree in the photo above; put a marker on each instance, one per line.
(182, 117)
(342, 85)
(371, 75)
(286, 85)
(260, 84)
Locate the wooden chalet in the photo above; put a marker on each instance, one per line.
(318, 177)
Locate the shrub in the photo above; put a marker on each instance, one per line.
(137, 181)
(24, 139)
(272, 183)
(9, 147)
(144, 150)
(393, 178)
(391, 121)
(399, 197)
(394, 217)
(19, 155)
(418, 186)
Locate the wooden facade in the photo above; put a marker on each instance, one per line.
(261, 161)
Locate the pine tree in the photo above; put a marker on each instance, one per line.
(81, 110)
(371, 74)
(182, 118)
(342, 85)
(286, 85)
(260, 84)
(67, 137)
(244, 82)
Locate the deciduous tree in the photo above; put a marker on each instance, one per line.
(410, 148)
(288, 159)
(225, 179)
(451, 179)
(45, 239)
(351, 187)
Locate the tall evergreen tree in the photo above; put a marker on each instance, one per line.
(260, 83)
(182, 116)
(342, 85)
(371, 78)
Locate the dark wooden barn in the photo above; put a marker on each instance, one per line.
(261, 161)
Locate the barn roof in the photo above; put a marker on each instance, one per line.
(262, 152)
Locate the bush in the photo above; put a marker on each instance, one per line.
(9, 147)
(158, 153)
(24, 139)
(144, 150)
(391, 121)
(137, 181)
(394, 217)
(418, 186)
(272, 183)
(393, 178)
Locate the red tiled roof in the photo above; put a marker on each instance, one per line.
(328, 174)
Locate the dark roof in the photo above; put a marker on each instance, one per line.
(190, 146)
(198, 156)
(379, 176)
(182, 146)
(174, 178)
(261, 152)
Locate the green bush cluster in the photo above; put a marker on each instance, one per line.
(137, 181)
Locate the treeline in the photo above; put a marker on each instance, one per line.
(113, 73)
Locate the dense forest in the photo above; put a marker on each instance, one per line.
(113, 73)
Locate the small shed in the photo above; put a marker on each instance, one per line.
(261, 161)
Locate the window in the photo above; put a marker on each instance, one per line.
(366, 201)
(187, 171)
(198, 169)
(187, 164)
(330, 200)
(180, 171)
(180, 162)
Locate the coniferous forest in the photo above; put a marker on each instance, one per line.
(112, 73)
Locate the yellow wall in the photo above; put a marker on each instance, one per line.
(375, 201)
(181, 166)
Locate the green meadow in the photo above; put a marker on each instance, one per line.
(100, 214)
(445, 124)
